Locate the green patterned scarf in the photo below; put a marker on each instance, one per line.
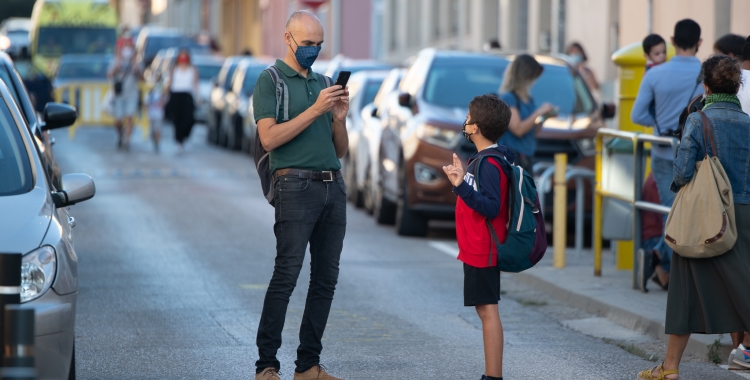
(716, 98)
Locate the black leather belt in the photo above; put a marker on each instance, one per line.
(313, 175)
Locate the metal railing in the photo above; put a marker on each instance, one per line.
(639, 169)
(544, 186)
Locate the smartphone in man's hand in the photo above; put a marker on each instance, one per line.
(343, 78)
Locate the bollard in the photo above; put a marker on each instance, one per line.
(560, 211)
(18, 362)
(10, 282)
(597, 243)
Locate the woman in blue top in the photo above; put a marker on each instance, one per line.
(515, 91)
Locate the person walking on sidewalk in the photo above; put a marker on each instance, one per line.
(709, 296)
(486, 122)
(309, 194)
(670, 86)
(125, 73)
(183, 95)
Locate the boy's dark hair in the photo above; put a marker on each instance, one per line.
(687, 33)
(746, 50)
(491, 115)
(650, 41)
(721, 74)
(730, 43)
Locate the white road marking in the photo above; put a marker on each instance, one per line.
(447, 248)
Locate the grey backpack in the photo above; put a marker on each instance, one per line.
(260, 155)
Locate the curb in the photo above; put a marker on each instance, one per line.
(697, 345)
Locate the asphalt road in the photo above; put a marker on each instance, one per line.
(175, 253)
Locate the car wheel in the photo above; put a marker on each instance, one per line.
(213, 127)
(408, 222)
(383, 210)
(72, 372)
(353, 195)
(368, 198)
(222, 137)
(237, 133)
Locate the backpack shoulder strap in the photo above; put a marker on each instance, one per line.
(281, 90)
(326, 80)
(708, 135)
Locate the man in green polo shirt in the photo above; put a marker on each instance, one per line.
(309, 194)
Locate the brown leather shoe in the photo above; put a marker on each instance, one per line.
(269, 373)
(315, 373)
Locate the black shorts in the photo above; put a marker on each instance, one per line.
(481, 285)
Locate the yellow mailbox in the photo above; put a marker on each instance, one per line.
(631, 66)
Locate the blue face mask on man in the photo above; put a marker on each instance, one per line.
(305, 55)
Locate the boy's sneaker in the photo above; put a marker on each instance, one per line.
(269, 373)
(741, 357)
(315, 373)
(644, 269)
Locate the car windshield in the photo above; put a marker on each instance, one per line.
(5, 77)
(156, 43)
(15, 168)
(90, 69)
(357, 68)
(370, 90)
(251, 76)
(454, 82)
(207, 72)
(54, 42)
(230, 73)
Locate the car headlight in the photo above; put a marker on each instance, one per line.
(37, 273)
(587, 146)
(442, 137)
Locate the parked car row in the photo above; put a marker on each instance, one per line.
(413, 126)
(35, 222)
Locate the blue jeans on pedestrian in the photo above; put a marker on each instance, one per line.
(311, 212)
(663, 176)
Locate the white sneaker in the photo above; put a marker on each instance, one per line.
(741, 357)
(732, 364)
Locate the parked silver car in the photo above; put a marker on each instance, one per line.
(363, 86)
(35, 222)
(367, 151)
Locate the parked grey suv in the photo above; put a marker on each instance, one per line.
(35, 222)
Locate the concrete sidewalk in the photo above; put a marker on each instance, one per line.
(611, 296)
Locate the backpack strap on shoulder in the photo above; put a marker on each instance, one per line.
(326, 80)
(281, 89)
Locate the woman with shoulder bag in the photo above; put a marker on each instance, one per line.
(709, 295)
(125, 74)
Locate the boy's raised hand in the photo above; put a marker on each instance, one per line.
(455, 172)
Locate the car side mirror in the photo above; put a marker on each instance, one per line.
(404, 99)
(58, 115)
(608, 110)
(76, 187)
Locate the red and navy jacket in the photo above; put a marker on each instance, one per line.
(475, 204)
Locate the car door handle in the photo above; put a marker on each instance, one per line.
(72, 221)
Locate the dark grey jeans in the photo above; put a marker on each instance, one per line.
(306, 212)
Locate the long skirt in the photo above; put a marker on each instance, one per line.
(710, 296)
(182, 109)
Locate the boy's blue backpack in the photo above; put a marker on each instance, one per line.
(526, 241)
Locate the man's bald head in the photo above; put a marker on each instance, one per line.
(304, 29)
(303, 19)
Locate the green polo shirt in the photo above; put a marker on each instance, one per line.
(313, 148)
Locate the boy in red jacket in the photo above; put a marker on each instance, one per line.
(487, 120)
